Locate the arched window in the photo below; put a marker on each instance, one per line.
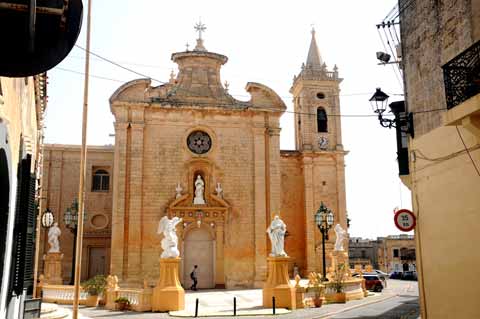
(100, 180)
(322, 120)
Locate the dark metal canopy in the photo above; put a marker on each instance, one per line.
(36, 35)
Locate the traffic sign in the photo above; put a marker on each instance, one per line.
(405, 220)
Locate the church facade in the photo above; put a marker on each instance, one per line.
(188, 149)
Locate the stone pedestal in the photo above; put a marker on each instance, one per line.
(340, 257)
(168, 295)
(278, 284)
(53, 268)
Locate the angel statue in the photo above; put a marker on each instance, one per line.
(170, 239)
(276, 231)
(341, 234)
(53, 233)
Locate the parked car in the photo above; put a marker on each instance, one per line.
(373, 282)
(409, 275)
(381, 274)
(395, 275)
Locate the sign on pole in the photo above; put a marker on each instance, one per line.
(405, 220)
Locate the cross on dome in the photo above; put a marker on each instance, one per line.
(200, 27)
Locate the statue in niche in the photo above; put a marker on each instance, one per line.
(199, 188)
(170, 240)
(53, 233)
(341, 235)
(276, 231)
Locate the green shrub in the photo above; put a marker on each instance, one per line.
(95, 286)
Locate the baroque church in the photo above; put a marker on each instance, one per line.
(189, 149)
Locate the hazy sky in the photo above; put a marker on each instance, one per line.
(266, 42)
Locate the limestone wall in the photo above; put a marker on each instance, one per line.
(433, 32)
(60, 187)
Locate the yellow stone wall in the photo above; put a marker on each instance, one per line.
(446, 202)
(60, 187)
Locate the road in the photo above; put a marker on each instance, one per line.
(398, 301)
(403, 305)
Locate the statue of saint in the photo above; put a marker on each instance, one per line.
(219, 190)
(170, 239)
(276, 232)
(341, 234)
(178, 191)
(53, 233)
(199, 187)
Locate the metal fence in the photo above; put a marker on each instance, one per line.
(461, 76)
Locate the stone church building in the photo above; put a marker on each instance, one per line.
(168, 135)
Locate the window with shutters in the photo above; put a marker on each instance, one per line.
(100, 180)
(23, 250)
(4, 207)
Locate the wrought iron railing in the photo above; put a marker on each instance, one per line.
(462, 76)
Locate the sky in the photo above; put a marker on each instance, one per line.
(266, 42)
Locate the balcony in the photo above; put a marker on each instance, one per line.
(462, 76)
(462, 90)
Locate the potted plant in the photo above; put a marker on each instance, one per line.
(338, 284)
(94, 287)
(122, 303)
(318, 290)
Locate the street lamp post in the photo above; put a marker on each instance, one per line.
(70, 218)
(324, 221)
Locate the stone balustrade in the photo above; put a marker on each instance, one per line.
(61, 294)
(140, 299)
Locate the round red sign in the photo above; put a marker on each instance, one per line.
(405, 220)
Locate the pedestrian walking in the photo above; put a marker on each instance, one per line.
(193, 276)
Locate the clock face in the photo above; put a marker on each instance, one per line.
(199, 142)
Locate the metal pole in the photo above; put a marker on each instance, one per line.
(196, 307)
(72, 276)
(234, 306)
(83, 162)
(323, 230)
(273, 304)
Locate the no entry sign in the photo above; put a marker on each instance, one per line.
(405, 220)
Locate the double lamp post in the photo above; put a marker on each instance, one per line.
(324, 221)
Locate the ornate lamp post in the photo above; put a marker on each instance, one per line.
(324, 221)
(70, 219)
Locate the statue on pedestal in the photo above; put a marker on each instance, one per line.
(219, 190)
(199, 187)
(341, 235)
(170, 239)
(276, 231)
(178, 191)
(53, 233)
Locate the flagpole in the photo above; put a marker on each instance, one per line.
(83, 161)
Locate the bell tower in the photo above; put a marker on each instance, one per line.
(317, 105)
(318, 140)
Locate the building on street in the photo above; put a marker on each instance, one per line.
(22, 106)
(440, 44)
(187, 148)
(390, 253)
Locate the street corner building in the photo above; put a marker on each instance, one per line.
(189, 149)
(22, 107)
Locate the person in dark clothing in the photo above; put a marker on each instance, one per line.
(193, 276)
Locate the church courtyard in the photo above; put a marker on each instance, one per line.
(398, 300)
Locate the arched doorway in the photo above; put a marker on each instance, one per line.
(198, 250)
(4, 205)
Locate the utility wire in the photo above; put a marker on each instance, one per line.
(468, 152)
(294, 112)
